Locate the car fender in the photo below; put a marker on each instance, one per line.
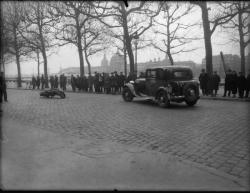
(131, 88)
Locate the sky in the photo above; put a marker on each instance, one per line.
(67, 56)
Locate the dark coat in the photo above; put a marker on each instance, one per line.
(248, 82)
(203, 78)
(215, 81)
(241, 82)
(234, 83)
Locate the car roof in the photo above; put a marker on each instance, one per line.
(170, 67)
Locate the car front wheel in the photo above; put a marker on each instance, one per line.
(162, 100)
(127, 95)
(190, 97)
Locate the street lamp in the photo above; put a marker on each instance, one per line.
(136, 37)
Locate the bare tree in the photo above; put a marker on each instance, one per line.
(239, 25)
(134, 20)
(12, 24)
(172, 41)
(78, 28)
(220, 18)
(39, 27)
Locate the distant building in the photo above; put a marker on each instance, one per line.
(117, 64)
(231, 61)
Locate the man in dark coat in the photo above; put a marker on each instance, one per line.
(38, 82)
(56, 82)
(33, 82)
(234, 83)
(215, 83)
(3, 92)
(73, 83)
(247, 84)
(116, 80)
(121, 81)
(241, 83)
(203, 78)
(227, 89)
(51, 80)
(42, 81)
(90, 83)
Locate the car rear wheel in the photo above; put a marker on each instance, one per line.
(127, 95)
(162, 99)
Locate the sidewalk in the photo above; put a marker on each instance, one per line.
(36, 159)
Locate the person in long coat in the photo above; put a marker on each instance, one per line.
(227, 88)
(56, 82)
(73, 83)
(3, 92)
(38, 82)
(203, 78)
(215, 83)
(234, 83)
(51, 80)
(42, 81)
(247, 84)
(33, 82)
(241, 83)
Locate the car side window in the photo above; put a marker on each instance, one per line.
(160, 74)
(151, 73)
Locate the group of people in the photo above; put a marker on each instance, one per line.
(237, 84)
(54, 81)
(109, 83)
(234, 84)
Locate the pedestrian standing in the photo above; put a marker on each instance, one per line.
(51, 80)
(234, 84)
(215, 83)
(38, 82)
(121, 82)
(73, 82)
(203, 78)
(227, 85)
(241, 83)
(90, 83)
(56, 82)
(33, 82)
(247, 84)
(64, 82)
(3, 91)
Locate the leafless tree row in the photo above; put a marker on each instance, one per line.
(30, 29)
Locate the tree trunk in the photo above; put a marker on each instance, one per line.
(207, 37)
(38, 63)
(125, 57)
(168, 40)
(79, 46)
(19, 79)
(128, 40)
(170, 58)
(242, 46)
(85, 52)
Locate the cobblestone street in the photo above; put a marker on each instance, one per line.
(213, 134)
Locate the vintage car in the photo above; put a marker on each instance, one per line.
(164, 85)
(50, 93)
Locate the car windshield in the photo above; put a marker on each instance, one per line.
(182, 74)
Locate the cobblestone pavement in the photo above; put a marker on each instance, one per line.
(213, 134)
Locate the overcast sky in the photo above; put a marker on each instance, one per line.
(67, 56)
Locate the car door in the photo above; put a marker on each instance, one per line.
(154, 79)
